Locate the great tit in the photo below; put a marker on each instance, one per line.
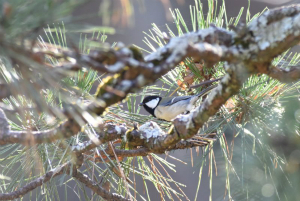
(168, 108)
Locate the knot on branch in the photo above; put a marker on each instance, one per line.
(244, 36)
(147, 135)
(150, 130)
(4, 126)
(112, 132)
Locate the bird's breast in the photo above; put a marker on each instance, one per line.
(170, 112)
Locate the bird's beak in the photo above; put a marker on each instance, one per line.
(141, 104)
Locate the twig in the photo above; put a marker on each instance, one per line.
(98, 189)
(35, 183)
(111, 148)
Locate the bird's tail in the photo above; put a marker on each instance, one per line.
(207, 90)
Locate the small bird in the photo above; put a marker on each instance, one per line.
(168, 108)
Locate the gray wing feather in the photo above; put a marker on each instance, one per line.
(171, 100)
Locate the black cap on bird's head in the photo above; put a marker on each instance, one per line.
(150, 103)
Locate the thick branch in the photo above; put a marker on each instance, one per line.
(270, 35)
(184, 144)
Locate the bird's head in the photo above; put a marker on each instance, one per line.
(150, 103)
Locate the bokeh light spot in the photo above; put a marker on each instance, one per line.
(267, 190)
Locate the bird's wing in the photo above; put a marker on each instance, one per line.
(171, 100)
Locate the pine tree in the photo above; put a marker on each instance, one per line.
(55, 132)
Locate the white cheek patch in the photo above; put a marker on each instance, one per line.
(153, 103)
